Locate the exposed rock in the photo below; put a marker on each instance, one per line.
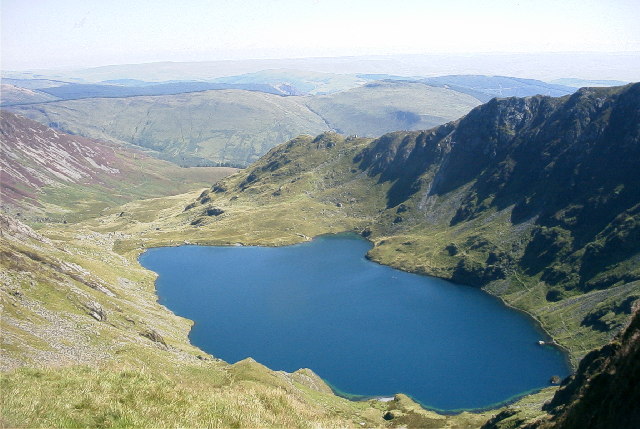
(452, 249)
(493, 423)
(153, 336)
(13, 228)
(214, 211)
(96, 311)
(218, 188)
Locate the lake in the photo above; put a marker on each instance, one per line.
(367, 329)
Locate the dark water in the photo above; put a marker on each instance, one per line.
(365, 328)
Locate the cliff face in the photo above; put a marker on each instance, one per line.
(569, 164)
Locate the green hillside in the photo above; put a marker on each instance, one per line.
(202, 128)
(235, 127)
(380, 107)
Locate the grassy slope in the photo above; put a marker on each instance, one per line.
(154, 178)
(53, 177)
(382, 107)
(226, 126)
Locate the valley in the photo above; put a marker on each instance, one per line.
(456, 201)
(319, 214)
(49, 176)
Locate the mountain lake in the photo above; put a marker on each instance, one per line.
(367, 329)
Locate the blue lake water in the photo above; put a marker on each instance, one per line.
(365, 328)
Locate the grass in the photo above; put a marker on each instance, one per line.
(288, 200)
(155, 397)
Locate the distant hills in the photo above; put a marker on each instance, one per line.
(235, 127)
(380, 107)
(485, 88)
(622, 66)
(298, 82)
(75, 91)
(200, 128)
(236, 119)
(578, 83)
(12, 94)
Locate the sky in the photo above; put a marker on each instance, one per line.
(87, 33)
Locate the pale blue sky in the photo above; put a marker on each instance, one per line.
(74, 33)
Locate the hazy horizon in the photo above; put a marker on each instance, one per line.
(323, 57)
(548, 66)
(74, 34)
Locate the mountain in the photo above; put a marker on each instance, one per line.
(297, 82)
(33, 83)
(380, 107)
(544, 66)
(536, 200)
(236, 127)
(484, 88)
(49, 174)
(75, 91)
(577, 83)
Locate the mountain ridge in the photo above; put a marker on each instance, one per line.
(495, 188)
